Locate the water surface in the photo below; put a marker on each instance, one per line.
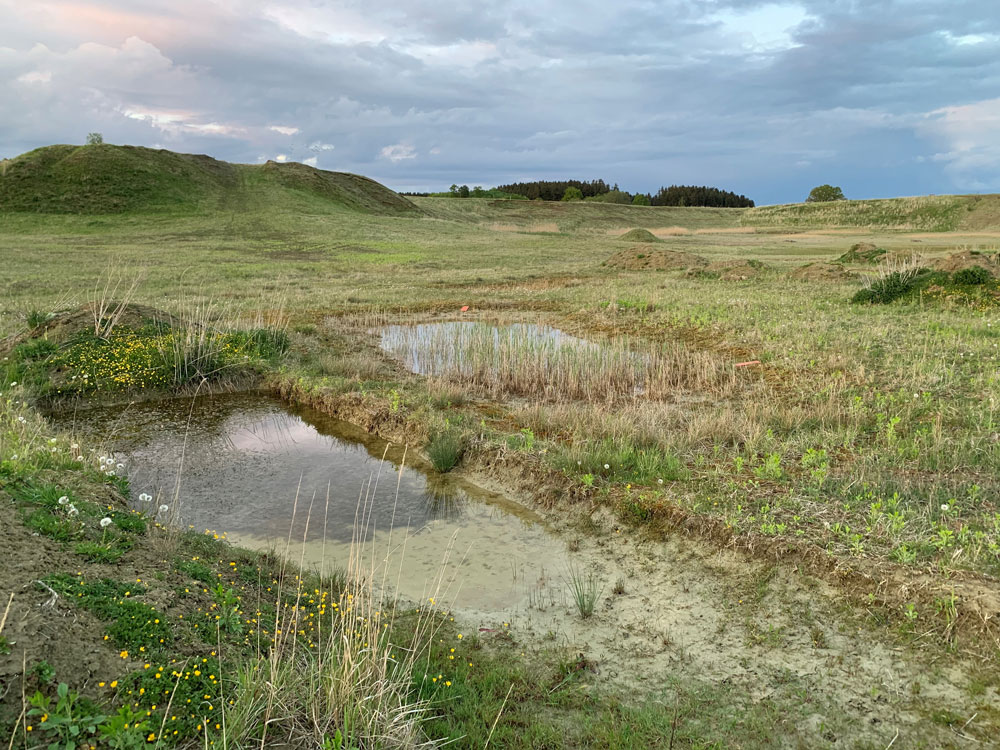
(263, 472)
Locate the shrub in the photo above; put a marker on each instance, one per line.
(972, 276)
(445, 449)
(886, 288)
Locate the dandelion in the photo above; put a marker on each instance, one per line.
(145, 498)
(659, 481)
(121, 466)
(63, 500)
(13, 383)
(164, 508)
(72, 510)
(607, 466)
(105, 522)
(944, 507)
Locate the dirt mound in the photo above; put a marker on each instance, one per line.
(862, 252)
(62, 326)
(640, 259)
(820, 272)
(968, 259)
(730, 270)
(639, 235)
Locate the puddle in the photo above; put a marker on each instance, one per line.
(245, 458)
(438, 348)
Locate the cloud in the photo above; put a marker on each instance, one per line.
(759, 97)
(398, 152)
(312, 161)
(970, 135)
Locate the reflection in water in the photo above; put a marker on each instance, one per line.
(264, 472)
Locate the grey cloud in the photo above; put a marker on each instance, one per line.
(643, 93)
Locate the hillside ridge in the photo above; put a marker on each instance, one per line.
(111, 179)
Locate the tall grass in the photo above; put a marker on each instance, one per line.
(585, 589)
(547, 364)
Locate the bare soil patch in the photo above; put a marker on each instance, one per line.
(821, 272)
(639, 258)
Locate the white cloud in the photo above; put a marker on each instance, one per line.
(282, 158)
(398, 152)
(970, 134)
(36, 76)
(283, 129)
(312, 161)
(319, 146)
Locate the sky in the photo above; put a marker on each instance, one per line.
(769, 99)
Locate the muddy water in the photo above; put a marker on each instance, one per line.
(270, 475)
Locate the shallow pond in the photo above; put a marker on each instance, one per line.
(436, 348)
(263, 472)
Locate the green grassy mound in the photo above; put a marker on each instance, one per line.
(933, 213)
(108, 179)
(136, 349)
(639, 235)
(969, 287)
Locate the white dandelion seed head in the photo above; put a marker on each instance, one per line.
(121, 466)
(63, 500)
(145, 498)
(105, 522)
(79, 458)
(72, 510)
(659, 481)
(944, 507)
(607, 466)
(164, 508)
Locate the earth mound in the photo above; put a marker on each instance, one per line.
(862, 252)
(639, 235)
(729, 270)
(968, 259)
(820, 271)
(107, 179)
(641, 259)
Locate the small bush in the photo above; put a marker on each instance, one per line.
(445, 449)
(973, 276)
(886, 289)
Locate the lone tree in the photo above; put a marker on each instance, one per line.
(573, 194)
(94, 139)
(640, 200)
(825, 193)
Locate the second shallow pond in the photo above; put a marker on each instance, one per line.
(252, 467)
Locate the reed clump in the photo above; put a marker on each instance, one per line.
(544, 363)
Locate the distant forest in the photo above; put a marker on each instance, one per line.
(601, 191)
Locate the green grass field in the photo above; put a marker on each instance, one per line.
(861, 448)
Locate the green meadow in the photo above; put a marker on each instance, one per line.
(823, 469)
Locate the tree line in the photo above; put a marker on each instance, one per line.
(601, 191)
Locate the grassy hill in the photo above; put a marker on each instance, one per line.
(932, 213)
(110, 179)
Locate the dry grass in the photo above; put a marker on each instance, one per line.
(353, 684)
(545, 364)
